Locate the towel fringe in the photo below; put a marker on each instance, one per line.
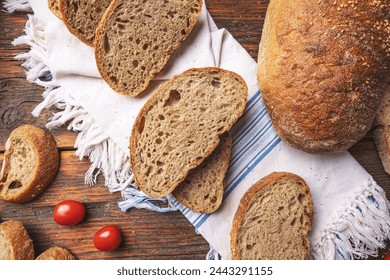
(17, 5)
(359, 230)
(106, 157)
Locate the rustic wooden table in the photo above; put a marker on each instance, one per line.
(146, 235)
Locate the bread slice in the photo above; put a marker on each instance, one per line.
(82, 17)
(136, 38)
(15, 243)
(180, 125)
(202, 190)
(273, 220)
(30, 163)
(56, 253)
(382, 131)
(54, 6)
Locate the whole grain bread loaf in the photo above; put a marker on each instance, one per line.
(273, 220)
(15, 243)
(203, 188)
(323, 68)
(56, 253)
(82, 17)
(136, 38)
(180, 125)
(30, 163)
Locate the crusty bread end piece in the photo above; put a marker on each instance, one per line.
(180, 125)
(15, 243)
(54, 6)
(382, 132)
(56, 253)
(135, 39)
(82, 17)
(273, 220)
(30, 163)
(202, 190)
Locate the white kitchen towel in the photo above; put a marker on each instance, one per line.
(352, 218)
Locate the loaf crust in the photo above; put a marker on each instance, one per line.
(56, 253)
(249, 198)
(19, 245)
(132, 46)
(54, 6)
(230, 87)
(323, 68)
(381, 129)
(45, 164)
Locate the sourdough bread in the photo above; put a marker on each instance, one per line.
(55, 253)
(82, 17)
(15, 243)
(323, 68)
(381, 129)
(273, 220)
(54, 6)
(30, 163)
(202, 190)
(136, 38)
(180, 125)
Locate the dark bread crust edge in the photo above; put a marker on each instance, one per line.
(247, 198)
(156, 70)
(63, 10)
(17, 235)
(225, 166)
(133, 139)
(56, 253)
(47, 156)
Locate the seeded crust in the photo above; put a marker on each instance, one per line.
(136, 38)
(202, 190)
(30, 163)
(82, 17)
(323, 68)
(273, 220)
(56, 253)
(180, 125)
(54, 6)
(381, 129)
(15, 243)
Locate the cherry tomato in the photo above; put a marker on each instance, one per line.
(107, 238)
(387, 257)
(69, 213)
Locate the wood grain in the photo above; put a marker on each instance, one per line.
(147, 235)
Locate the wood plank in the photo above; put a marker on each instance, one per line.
(146, 234)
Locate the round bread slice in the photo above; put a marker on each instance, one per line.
(180, 125)
(31, 162)
(202, 190)
(273, 220)
(56, 253)
(82, 17)
(136, 38)
(15, 243)
(54, 6)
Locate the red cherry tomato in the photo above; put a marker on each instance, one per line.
(387, 257)
(69, 213)
(107, 238)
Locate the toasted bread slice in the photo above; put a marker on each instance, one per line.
(180, 125)
(30, 163)
(202, 190)
(135, 39)
(56, 253)
(15, 243)
(273, 220)
(82, 17)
